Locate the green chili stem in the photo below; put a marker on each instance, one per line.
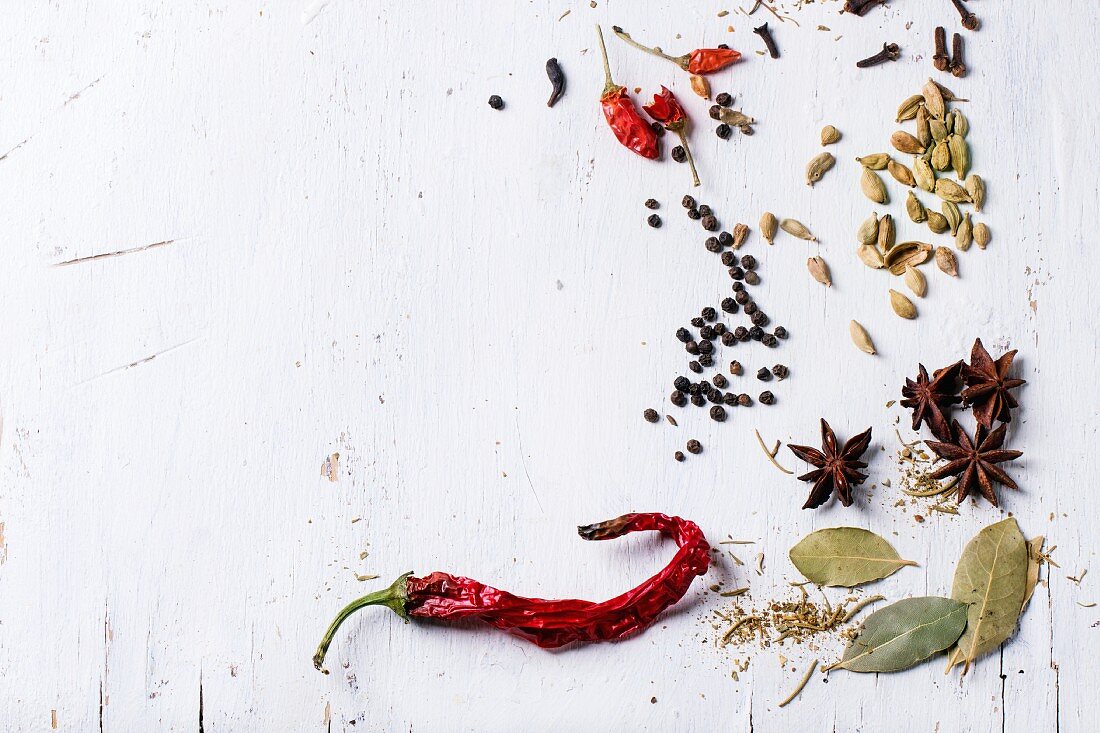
(395, 597)
(682, 132)
(656, 51)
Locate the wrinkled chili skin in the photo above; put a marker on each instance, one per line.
(709, 60)
(555, 623)
(627, 124)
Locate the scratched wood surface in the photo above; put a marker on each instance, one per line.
(239, 238)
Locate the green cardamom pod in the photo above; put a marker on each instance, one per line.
(965, 235)
(924, 130)
(915, 208)
(933, 99)
(829, 135)
(868, 230)
(938, 130)
(952, 214)
(818, 166)
(924, 175)
(981, 235)
(769, 225)
(901, 173)
(941, 156)
(960, 155)
(962, 125)
(908, 108)
(797, 229)
(873, 187)
(937, 222)
(887, 233)
(948, 190)
(975, 186)
(874, 161)
(906, 143)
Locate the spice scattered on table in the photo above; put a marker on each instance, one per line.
(496, 102)
(837, 469)
(667, 110)
(889, 52)
(622, 117)
(557, 81)
(698, 62)
(769, 41)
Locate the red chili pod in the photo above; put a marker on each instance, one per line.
(549, 623)
(622, 116)
(667, 110)
(699, 61)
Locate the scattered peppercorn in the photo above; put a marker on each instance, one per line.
(744, 400)
(725, 99)
(720, 381)
(715, 396)
(768, 340)
(728, 339)
(712, 244)
(679, 456)
(748, 262)
(710, 223)
(767, 398)
(694, 214)
(729, 305)
(694, 389)
(652, 204)
(681, 383)
(756, 333)
(715, 112)
(726, 240)
(678, 398)
(720, 328)
(750, 308)
(704, 387)
(691, 347)
(694, 447)
(705, 210)
(752, 278)
(688, 202)
(706, 346)
(764, 375)
(709, 313)
(706, 332)
(735, 368)
(651, 415)
(742, 297)
(695, 367)
(736, 273)
(698, 322)
(496, 102)
(658, 129)
(683, 334)
(718, 413)
(706, 360)
(738, 287)
(679, 154)
(741, 333)
(723, 131)
(728, 258)
(654, 221)
(780, 332)
(698, 400)
(730, 399)
(781, 371)
(760, 318)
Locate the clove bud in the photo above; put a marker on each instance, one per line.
(940, 59)
(889, 52)
(969, 20)
(958, 66)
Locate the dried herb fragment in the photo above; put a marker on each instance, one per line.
(988, 386)
(837, 468)
(974, 461)
(928, 398)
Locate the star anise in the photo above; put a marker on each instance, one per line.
(988, 386)
(928, 397)
(837, 470)
(973, 461)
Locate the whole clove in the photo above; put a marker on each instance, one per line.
(940, 59)
(860, 7)
(557, 81)
(889, 52)
(769, 41)
(958, 66)
(969, 20)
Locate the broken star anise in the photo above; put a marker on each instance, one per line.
(988, 386)
(973, 461)
(928, 397)
(837, 470)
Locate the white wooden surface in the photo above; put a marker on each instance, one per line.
(467, 306)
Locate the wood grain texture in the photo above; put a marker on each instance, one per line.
(357, 256)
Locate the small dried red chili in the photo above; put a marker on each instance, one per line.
(667, 110)
(621, 115)
(548, 623)
(699, 61)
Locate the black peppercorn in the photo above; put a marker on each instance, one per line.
(706, 346)
(725, 99)
(738, 287)
(679, 154)
(715, 111)
(694, 447)
(750, 308)
(694, 389)
(698, 400)
(698, 322)
(735, 368)
(752, 278)
(760, 318)
(652, 204)
(694, 214)
(780, 371)
(767, 398)
(724, 46)
(744, 400)
(728, 339)
(718, 413)
(654, 221)
(742, 296)
(712, 244)
(748, 262)
(736, 273)
(679, 456)
(706, 332)
(705, 387)
(688, 202)
(756, 333)
(681, 383)
(729, 305)
(496, 102)
(770, 341)
(709, 313)
(695, 367)
(764, 375)
(691, 347)
(723, 131)
(719, 328)
(780, 332)
(706, 360)
(678, 398)
(741, 333)
(651, 415)
(728, 258)
(730, 399)
(720, 381)
(683, 334)
(709, 223)
(658, 129)
(726, 240)
(715, 396)
(705, 210)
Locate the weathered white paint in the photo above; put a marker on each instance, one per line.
(468, 307)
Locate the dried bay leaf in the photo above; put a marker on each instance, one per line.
(846, 556)
(905, 633)
(1034, 548)
(990, 578)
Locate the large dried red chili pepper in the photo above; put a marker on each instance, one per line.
(628, 126)
(667, 110)
(699, 61)
(547, 623)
